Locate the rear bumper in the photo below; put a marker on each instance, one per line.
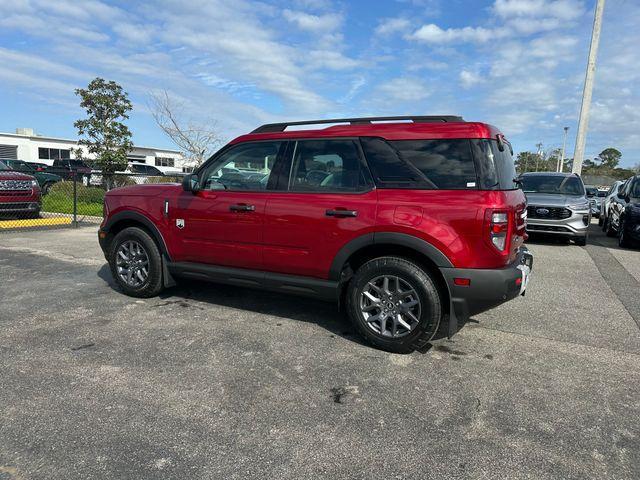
(487, 288)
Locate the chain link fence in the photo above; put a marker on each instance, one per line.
(51, 197)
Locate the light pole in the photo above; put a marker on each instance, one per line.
(564, 146)
(538, 155)
(583, 123)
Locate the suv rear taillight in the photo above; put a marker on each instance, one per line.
(499, 229)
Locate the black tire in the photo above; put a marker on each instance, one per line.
(623, 238)
(600, 220)
(608, 229)
(425, 288)
(581, 241)
(46, 187)
(153, 285)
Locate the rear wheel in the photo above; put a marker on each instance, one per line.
(394, 304)
(623, 239)
(135, 263)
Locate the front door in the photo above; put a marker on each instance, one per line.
(328, 201)
(221, 224)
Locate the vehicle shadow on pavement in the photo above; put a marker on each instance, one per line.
(188, 292)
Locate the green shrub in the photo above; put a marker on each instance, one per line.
(165, 179)
(60, 199)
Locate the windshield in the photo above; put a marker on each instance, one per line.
(591, 191)
(3, 167)
(552, 184)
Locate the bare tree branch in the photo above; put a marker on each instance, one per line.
(197, 141)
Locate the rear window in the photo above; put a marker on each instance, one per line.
(496, 169)
(553, 184)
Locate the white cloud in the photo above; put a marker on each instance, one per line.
(390, 26)
(404, 89)
(331, 59)
(313, 23)
(564, 10)
(433, 34)
(469, 78)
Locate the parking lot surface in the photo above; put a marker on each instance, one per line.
(213, 381)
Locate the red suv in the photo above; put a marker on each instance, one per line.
(19, 194)
(407, 221)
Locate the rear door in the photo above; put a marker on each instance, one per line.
(327, 199)
(222, 223)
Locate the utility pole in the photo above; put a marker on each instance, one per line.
(538, 155)
(564, 146)
(583, 123)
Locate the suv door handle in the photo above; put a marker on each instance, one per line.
(242, 208)
(339, 212)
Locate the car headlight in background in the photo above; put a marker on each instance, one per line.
(579, 206)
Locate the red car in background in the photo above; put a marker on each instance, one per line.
(19, 194)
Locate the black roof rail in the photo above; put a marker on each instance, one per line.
(281, 127)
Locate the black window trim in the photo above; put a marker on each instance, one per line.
(364, 168)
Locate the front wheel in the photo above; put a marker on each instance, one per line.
(608, 228)
(394, 304)
(581, 241)
(136, 264)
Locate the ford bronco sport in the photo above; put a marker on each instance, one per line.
(409, 222)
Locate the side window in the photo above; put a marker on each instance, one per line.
(326, 165)
(447, 164)
(243, 167)
(386, 167)
(635, 188)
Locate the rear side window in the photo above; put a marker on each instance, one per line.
(496, 169)
(445, 164)
(387, 168)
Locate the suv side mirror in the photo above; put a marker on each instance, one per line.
(190, 183)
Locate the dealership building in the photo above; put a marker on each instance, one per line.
(26, 145)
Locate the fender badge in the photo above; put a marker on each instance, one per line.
(180, 223)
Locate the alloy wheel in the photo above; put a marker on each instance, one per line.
(390, 306)
(132, 263)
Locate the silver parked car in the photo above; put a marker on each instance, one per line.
(557, 205)
(611, 195)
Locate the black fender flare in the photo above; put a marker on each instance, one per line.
(393, 238)
(142, 219)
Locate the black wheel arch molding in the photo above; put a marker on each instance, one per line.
(131, 215)
(420, 246)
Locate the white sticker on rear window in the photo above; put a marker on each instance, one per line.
(471, 184)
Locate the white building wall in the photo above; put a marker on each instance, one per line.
(28, 146)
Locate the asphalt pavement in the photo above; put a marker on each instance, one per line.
(212, 381)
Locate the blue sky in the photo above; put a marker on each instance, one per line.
(518, 64)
